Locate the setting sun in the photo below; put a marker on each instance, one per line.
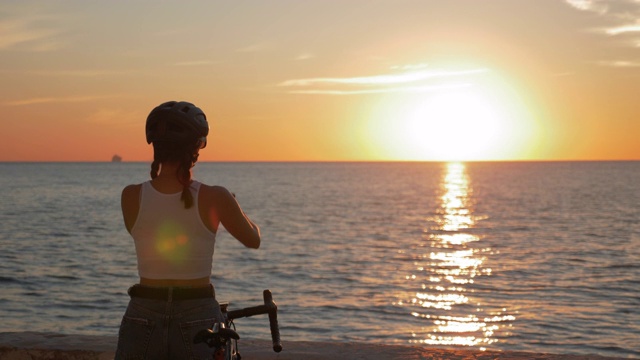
(457, 122)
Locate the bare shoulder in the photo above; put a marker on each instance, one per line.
(213, 202)
(131, 192)
(215, 191)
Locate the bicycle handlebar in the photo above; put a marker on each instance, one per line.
(269, 308)
(273, 321)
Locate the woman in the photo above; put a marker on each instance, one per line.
(173, 221)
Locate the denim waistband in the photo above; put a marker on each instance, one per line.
(171, 293)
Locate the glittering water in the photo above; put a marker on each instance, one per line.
(446, 268)
(504, 256)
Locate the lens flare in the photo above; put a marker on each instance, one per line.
(172, 242)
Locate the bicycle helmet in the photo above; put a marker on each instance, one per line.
(177, 121)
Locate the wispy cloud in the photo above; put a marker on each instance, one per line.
(117, 117)
(408, 81)
(77, 73)
(194, 63)
(29, 33)
(623, 29)
(305, 56)
(257, 47)
(403, 89)
(596, 6)
(403, 78)
(623, 25)
(623, 14)
(619, 63)
(47, 100)
(67, 73)
(410, 66)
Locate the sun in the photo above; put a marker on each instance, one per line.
(455, 124)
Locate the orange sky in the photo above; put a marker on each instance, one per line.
(325, 80)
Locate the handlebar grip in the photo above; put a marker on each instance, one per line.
(273, 320)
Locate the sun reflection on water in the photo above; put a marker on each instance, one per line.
(451, 262)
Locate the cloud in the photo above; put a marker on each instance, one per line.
(623, 29)
(257, 47)
(46, 100)
(625, 14)
(118, 117)
(404, 89)
(88, 73)
(77, 73)
(407, 77)
(29, 33)
(410, 66)
(409, 81)
(194, 63)
(623, 25)
(596, 6)
(619, 63)
(305, 56)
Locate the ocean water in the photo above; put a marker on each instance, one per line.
(527, 256)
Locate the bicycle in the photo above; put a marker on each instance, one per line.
(223, 337)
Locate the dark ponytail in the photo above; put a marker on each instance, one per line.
(184, 176)
(186, 155)
(155, 167)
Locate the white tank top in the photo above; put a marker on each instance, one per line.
(171, 242)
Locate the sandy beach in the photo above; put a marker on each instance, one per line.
(51, 346)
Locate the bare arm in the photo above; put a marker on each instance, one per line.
(130, 203)
(233, 219)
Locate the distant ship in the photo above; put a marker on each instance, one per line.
(116, 158)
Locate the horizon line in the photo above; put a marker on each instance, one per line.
(326, 161)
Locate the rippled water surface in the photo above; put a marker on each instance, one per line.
(539, 257)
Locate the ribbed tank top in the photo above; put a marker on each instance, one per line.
(171, 242)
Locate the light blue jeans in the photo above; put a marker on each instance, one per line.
(163, 330)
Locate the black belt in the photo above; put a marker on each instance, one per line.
(171, 293)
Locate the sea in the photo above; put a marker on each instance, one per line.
(506, 256)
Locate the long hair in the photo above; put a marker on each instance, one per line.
(185, 154)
